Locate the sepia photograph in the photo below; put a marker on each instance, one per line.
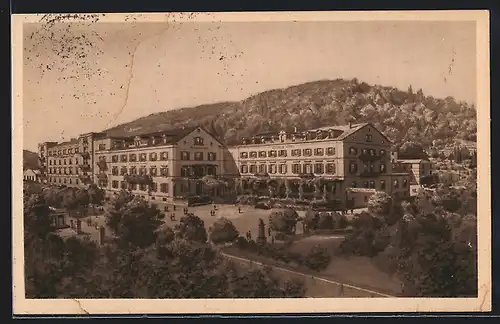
(251, 162)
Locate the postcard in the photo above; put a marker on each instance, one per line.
(270, 162)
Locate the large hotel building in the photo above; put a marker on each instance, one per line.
(349, 162)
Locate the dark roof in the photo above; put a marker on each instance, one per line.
(173, 135)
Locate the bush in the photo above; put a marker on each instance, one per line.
(198, 200)
(253, 246)
(241, 243)
(262, 205)
(325, 221)
(223, 231)
(342, 222)
(161, 215)
(311, 220)
(318, 258)
(246, 200)
(284, 221)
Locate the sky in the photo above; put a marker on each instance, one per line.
(85, 78)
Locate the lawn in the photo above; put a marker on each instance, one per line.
(355, 270)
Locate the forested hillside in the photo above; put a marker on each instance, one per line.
(402, 115)
(30, 160)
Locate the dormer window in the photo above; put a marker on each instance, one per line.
(164, 139)
(198, 141)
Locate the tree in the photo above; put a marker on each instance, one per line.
(284, 221)
(411, 150)
(223, 231)
(325, 221)
(380, 203)
(311, 220)
(133, 221)
(318, 258)
(82, 198)
(191, 228)
(96, 194)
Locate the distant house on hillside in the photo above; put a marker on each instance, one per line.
(32, 175)
(420, 169)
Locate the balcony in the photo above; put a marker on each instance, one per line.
(84, 167)
(369, 174)
(84, 178)
(103, 166)
(368, 157)
(138, 179)
(102, 176)
(84, 155)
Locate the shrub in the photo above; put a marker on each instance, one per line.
(223, 231)
(262, 205)
(311, 220)
(325, 221)
(246, 200)
(318, 258)
(284, 221)
(241, 243)
(253, 246)
(342, 222)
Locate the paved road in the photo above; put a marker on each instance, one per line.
(364, 291)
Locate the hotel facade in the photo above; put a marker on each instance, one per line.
(349, 163)
(342, 163)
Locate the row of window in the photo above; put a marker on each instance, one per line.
(297, 168)
(66, 151)
(153, 187)
(133, 170)
(63, 180)
(63, 170)
(353, 167)
(371, 184)
(283, 153)
(197, 141)
(163, 156)
(318, 168)
(330, 151)
(366, 151)
(68, 161)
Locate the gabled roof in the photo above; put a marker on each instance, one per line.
(353, 128)
(173, 135)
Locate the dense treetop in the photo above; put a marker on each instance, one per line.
(402, 115)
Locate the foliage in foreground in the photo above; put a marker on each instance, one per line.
(176, 263)
(430, 244)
